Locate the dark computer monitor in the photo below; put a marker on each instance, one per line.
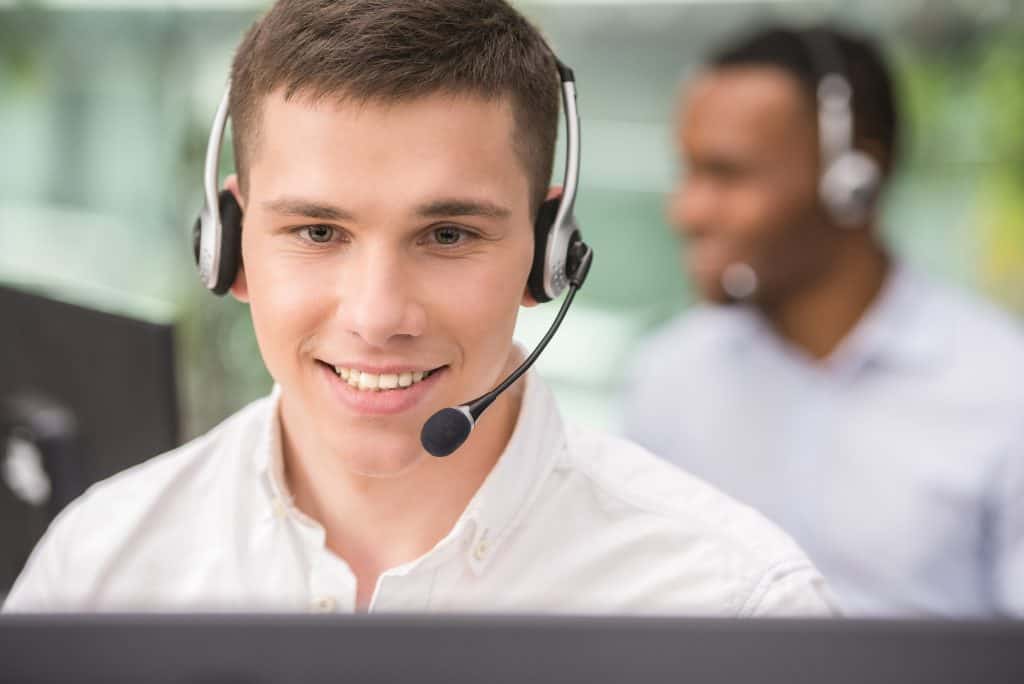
(83, 394)
(512, 650)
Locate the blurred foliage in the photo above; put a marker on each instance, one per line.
(1001, 208)
(21, 53)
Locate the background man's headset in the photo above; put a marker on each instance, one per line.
(560, 258)
(850, 178)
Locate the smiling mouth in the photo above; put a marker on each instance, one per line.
(381, 382)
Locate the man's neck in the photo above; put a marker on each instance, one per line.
(377, 523)
(818, 317)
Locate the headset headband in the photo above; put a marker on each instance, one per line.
(834, 95)
(559, 234)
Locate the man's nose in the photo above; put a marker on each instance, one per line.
(692, 206)
(380, 299)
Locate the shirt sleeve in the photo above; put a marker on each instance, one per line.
(791, 590)
(37, 588)
(1008, 532)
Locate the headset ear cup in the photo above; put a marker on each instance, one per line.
(849, 188)
(197, 232)
(541, 235)
(231, 242)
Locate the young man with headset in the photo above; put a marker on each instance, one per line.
(392, 158)
(872, 413)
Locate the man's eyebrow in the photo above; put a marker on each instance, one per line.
(462, 207)
(307, 209)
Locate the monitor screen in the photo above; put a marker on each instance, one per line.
(83, 395)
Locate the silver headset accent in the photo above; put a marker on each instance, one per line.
(209, 217)
(850, 178)
(564, 225)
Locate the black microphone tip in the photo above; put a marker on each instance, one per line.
(445, 431)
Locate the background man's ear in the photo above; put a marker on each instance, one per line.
(876, 150)
(528, 300)
(239, 288)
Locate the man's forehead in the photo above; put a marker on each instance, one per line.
(749, 89)
(429, 148)
(279, 104)
(486, 123)
(745, 101)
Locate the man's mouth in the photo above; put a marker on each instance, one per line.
(382, 382)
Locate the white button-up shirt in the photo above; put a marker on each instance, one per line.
(897, 463)
(567, 521)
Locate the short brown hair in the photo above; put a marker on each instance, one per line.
(394, 50)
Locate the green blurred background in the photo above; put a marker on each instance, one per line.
(105, 108)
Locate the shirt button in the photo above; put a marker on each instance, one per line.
(480, 552)
(324, 604)
(280, 509)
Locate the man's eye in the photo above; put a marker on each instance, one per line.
(448, 235)
(319, 233)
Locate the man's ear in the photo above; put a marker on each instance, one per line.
(239, 288)
(231, 183)
(876, 150)
(528, 300)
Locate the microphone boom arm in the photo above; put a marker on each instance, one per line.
(447, 429)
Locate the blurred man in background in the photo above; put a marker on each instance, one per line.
(876, 415)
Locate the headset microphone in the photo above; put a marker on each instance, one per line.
(447, 429)
(560, 259)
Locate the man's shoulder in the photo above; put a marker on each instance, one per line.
(694, 331)
(180, 472)
(983, 343)
(980, 320)
(654, 487)
(129, 518)
(695, 342)
(692, 526)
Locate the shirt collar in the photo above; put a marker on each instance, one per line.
(896, 329)
(269, 454)
(537, 442)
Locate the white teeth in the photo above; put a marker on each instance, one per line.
(385, 381)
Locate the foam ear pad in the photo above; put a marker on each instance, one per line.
(849, 187)
(231, 242)
(541, 234)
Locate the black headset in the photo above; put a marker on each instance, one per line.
(217, 234)
(850, 179)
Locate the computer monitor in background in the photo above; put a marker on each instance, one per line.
(83, 395)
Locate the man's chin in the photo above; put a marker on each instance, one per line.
(384, 461)
(709, 289)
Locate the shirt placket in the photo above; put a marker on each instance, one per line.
(332, 585)
(811, 446)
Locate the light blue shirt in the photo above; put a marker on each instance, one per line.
(897, 463)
